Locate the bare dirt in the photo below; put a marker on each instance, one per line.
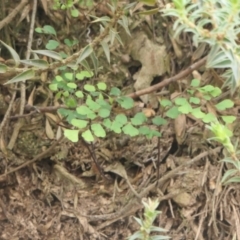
(54, 190)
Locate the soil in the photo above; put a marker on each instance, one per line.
(56, 189)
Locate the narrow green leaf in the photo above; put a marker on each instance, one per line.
(112, 35)
(14, 54)
(119, 39)
(3, 68)
(85, 64)
(49, 53)
(106, 50)
(136, 235)
(28, 74)
(227, 174)
(39, 63)
(150, 3)
(85, 53)
(149, 12)
(95, 62)
(124, 23)
(233, 180)
(101, 19)
(130, 5)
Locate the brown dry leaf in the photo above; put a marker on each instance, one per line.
(44, 74)
(44, 227)
(49, 130)
(212, 183)
(45, 5)
(59, 133)
(149, 112)
(87, 228)
(175, 95)
(137, 7)
(45, 91)
(177, 49)
(106, 154)
(75, 201)
(3, 145)
(117, 168)
(200, 95)
(180, 128)
(154, 59)
(25, 14)
(196, 75)
(211, 109)
(31, 97)
(53, 117)
(198, 53)
(64, 175)
(237, 221)
(183, 199)
(138, 104)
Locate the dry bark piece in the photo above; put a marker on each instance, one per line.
(154, 60)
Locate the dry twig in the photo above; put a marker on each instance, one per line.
(12, 15)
